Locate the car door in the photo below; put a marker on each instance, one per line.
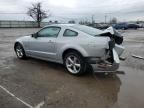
(44, 44)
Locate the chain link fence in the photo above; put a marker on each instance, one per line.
(21, 24)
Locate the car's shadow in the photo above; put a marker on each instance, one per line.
(57, 66)
(98, 86)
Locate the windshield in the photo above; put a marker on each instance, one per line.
(89, 30)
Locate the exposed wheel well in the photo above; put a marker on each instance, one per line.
(70, 50)
(16, 44)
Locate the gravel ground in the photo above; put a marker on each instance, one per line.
(43, 84)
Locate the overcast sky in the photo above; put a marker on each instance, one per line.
(123, 10)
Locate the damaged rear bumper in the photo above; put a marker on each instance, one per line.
(108, 68)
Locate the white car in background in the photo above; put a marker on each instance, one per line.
(75, 46)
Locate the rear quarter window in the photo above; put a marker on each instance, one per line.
(70, 33)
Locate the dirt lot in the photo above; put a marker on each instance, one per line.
(34, 83)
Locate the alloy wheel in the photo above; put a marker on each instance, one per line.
(19, 51)
(73, 64)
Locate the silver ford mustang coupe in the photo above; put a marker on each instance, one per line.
(75, 46)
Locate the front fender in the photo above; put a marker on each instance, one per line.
(23, 41)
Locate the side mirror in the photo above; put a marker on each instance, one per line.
(35, 35)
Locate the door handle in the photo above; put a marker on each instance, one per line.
(50, 41)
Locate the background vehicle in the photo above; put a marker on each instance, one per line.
(133, 26)
(75, 46)
(123, 26)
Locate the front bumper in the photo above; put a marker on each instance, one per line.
(112, 68)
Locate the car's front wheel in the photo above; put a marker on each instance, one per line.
(20, 51)
(74, 63)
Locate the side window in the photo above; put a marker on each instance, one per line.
(49, 32)
(70, 33)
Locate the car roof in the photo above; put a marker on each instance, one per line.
(62, 25)
(78, 27)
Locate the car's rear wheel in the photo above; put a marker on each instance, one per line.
(20, 51)
(74, 63)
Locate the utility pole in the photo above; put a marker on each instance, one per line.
(110, 19)
(105, 19)
(92, 19)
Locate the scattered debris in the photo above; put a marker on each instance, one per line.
(120, 72)
(123, 58)
(139, 57)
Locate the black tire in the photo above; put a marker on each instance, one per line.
(17, 47)
(79, 58)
